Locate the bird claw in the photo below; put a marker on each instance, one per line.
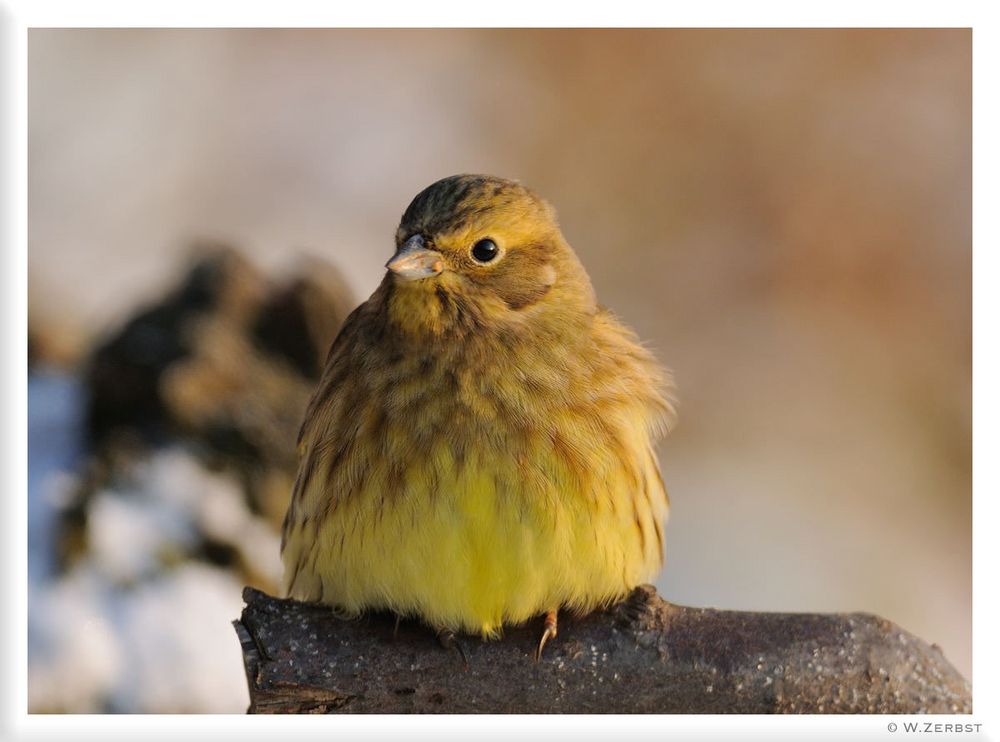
(550, 632)
(449, 641)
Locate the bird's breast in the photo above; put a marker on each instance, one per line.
(476, 485)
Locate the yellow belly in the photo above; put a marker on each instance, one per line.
(492, 541)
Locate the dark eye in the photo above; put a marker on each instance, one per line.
(485, 250)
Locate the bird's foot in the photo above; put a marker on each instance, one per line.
(550, 632)
(450, 642)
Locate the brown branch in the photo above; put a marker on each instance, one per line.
(643, 656)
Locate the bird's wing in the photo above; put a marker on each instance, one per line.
(318, 436)
(333, 375)
(656, 495)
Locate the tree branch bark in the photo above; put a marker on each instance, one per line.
(644, 655)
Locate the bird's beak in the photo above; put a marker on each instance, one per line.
(414, 261)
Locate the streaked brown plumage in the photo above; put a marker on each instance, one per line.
(480, 448)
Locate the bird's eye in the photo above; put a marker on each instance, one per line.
(485, 250)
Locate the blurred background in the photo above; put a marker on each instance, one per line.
(784, 216)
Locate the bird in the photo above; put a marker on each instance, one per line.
(479, 451)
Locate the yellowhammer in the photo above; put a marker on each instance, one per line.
(480, 448)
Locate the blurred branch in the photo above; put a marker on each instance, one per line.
(642, 656)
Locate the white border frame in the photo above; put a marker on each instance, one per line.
(14, 21)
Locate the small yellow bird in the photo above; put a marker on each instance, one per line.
(479, 450)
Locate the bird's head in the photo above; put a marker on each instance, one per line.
(483, 245)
